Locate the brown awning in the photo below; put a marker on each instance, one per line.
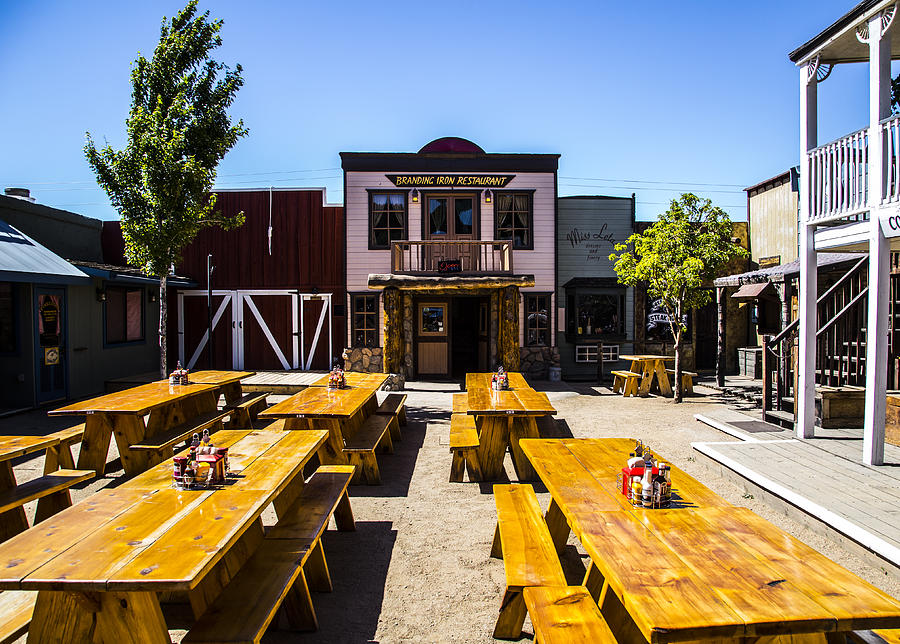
(752, 291)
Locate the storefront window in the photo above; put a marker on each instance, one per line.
(387, 219)
(513, 217)
(432, 319)
(537, 320)
(365, 320)
(7, 319)
(596, 312)
(124, 314)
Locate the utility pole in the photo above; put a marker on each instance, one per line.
(209, 326)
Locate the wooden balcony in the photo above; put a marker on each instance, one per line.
(839, 177)
(452, 257)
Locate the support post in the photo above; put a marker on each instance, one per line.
(806, 361)
(509, 328)
(766, 378)
(393, 330)
(720, 349)
(877, 327)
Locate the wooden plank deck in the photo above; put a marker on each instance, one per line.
(824, 479)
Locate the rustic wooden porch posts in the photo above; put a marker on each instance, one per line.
(393, 330)
(508, 353)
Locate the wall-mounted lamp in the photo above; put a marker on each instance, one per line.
(415, 196)
(152, 295)
(101, 295)
(488, 196)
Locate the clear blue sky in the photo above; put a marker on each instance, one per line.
(654, 99)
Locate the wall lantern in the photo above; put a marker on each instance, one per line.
(152, 295)
(488, 196)
(415, 196)
(101, 295)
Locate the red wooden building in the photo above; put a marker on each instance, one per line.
(278, 287)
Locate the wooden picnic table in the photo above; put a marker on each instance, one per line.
(356, 379)
(650, 367)
(483, 380)
(101, 566)
(122, 413)
(12, 514)
(339, 411)
(503, 418)
(700, 570)
(228, 382)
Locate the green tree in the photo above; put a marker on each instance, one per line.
(178, 129)
(685, 247)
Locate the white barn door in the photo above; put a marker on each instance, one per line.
(262, 321)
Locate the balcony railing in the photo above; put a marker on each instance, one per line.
(839, 177)
(452, 257)
(890, 131)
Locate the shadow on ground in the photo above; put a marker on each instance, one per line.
(358, 562)
(397, 468)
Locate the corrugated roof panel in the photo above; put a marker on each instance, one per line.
(24, 260)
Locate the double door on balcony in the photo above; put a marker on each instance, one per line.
(450, 222)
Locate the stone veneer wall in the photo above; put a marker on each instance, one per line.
(371, 361)
(536, 361)
(366, 360)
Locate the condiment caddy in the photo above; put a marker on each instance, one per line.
(204, 466)
(644, 481)
(499, 380)
(179, 376)
(336, 378)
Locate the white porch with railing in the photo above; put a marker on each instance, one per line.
(846, 187)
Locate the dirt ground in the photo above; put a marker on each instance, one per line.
(417, 568)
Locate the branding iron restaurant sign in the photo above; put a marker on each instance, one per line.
(450, 180)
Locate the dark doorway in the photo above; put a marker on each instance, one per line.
(465, 335)
(706, 323)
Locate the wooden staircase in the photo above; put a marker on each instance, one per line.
(842, 312)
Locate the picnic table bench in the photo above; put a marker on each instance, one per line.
(51, 490)
(503, 418)
(101, 566)
(651, 368)
(355, 431)
(700, 570)
(121, 414)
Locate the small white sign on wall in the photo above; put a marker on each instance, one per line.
(890, 222)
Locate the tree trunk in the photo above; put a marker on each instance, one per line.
(678, 337)
(163, 320)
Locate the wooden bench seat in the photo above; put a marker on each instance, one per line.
(566, 615)
(51, 490)
(286, 565)
(464, 447)
(323, 495)
(460, 403)
(360, 449)
(626, 381)
(687, 379)
(529, 556)
(245, 410)
(270, 579)
(394, 405)
(882, 636)
(16, 607)
(168, 439)
(59, 456)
